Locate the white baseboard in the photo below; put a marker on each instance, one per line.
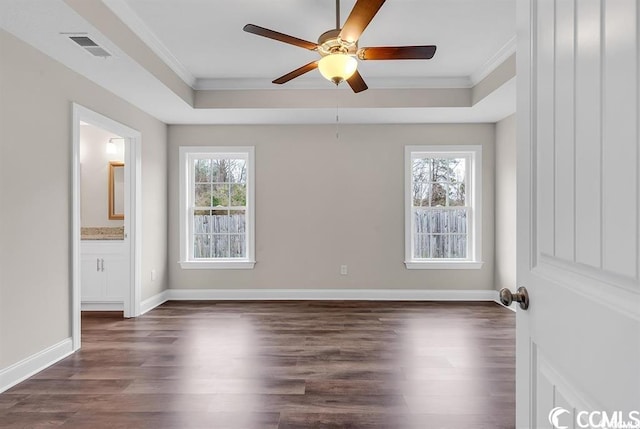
(30, 366)
(101, 306)
(151, 303)
(330, 294)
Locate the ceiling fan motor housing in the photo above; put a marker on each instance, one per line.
(330, 42)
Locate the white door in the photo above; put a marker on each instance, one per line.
(578, 344)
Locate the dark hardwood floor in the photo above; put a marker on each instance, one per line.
(285, 365)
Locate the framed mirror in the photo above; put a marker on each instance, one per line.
(116, 190)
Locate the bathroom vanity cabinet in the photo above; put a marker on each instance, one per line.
(104, 274)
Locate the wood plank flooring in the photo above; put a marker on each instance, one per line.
(284, 365)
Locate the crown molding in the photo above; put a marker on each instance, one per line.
(320, 83)
(127, 15)
(494, 62)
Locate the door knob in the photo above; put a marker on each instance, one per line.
(521, 296)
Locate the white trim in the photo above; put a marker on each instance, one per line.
(131, 19)
(443, 265)
(579, 399)
(221, 84)
(76, 297)
(607, 289)
(154, 301)
(134, 158)
(20, 371)
(133, 218)
(101, 306)
(330, 294)
(495, 61)
(186, 182)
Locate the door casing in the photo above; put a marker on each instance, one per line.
(133, 219)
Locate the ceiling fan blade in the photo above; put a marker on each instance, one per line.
(357, 83)
(297, 72)
(281, 37)
(361, 15)
(397, 53)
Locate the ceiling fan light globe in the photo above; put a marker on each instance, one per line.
(337, 67)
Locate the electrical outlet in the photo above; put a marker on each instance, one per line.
(343, 270)
(154, 275)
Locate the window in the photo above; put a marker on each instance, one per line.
(443, 207)
(216, 214)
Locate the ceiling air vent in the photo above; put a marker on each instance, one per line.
(90, 46)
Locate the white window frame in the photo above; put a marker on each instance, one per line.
(187, 155)
(473, 187)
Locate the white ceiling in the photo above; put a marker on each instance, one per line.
(206, 37)
(203, 42)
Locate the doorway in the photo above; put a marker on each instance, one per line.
(105, 232)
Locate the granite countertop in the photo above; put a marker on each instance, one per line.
(102, 233)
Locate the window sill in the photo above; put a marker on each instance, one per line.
(443, 265)
(226, 264)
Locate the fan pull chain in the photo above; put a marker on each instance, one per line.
(337, 116)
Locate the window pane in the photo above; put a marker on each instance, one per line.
(203, 170)
(436, 221)
(227, 170)
(440, 221)
(457, 221)
(201, 221)
(238, 246)
(220, 246)
(421, 194)
(237, 170)
(421, 170)
(456, 194)
(456, 246)
(438, 195)
(457, 167)
(218, 170)
(238, 195)
(420, 221)
(201, 246)
(435, 246)
(237, 221)
(440, 171)
(220, 195)
(420, 246)
(203, 195)
(219, 221)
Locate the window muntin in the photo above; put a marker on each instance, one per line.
(442, 205)
(217, 207)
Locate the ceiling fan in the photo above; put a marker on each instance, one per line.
(338, 48)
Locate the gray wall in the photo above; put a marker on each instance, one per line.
(506, 203)
(322, 202)
(35, 192)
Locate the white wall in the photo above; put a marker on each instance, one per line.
(94, 175)
(322, 202)
(36, 95)
(505, 273)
